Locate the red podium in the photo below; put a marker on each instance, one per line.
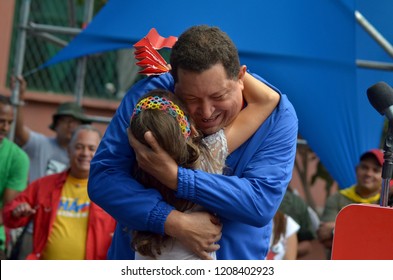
(363, 232)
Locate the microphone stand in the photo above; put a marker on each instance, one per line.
(387, 168)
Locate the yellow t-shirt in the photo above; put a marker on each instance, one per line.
(67, 239)
(352, 195)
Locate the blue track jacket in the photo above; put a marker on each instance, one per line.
(245, 200)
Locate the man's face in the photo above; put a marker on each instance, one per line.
(82, 151)
(212, 99)
(6, 119)
(65, 126)
(369, 175)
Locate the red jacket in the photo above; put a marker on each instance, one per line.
(44, 195)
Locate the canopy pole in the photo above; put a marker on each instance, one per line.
(81, 68)
(374, 64)
(374, 33)
(19, 60)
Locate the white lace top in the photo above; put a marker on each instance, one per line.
(218, 148)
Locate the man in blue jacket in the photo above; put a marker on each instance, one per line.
(207, 75)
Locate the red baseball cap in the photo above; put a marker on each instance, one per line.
(376, 153)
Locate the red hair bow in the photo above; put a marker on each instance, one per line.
(148, 57)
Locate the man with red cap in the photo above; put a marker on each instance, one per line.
(366, 190)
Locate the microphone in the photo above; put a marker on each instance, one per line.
(380, 96)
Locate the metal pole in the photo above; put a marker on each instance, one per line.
(51, 39)
(19, 60)
(71, 13)
(374, 65)
(52, 29)
(81, 68)
(374, 33)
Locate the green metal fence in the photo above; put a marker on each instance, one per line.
(108, 75)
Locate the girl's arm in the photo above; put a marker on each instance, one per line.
(261, 101)
(291, 247)
(291, 241)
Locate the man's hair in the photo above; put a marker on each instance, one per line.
(201, 47)
(5, 100)
(76, 132)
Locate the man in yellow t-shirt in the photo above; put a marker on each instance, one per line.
(68, 236)
(67, 224)
(366, 190)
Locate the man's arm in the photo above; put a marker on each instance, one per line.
(18, 175)
(325, 233)
(326, 227)
(17, 212)
(22, 132)
(8, 195)
(17, 180)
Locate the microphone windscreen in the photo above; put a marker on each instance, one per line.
(380, 96)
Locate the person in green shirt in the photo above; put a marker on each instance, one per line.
(14, 165)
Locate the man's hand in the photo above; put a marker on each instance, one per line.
(22, 85)
(325, 233)
(198, 231)
(23, 210)
(154, 160)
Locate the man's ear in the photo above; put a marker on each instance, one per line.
(242, 72)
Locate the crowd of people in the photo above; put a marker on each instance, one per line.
(195, 164)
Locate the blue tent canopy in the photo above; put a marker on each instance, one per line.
(307, 48)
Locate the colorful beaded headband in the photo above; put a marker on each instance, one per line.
(163, 104)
